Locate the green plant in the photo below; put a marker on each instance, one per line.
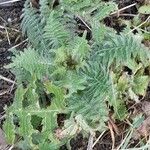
(63, 73)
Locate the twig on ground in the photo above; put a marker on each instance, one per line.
(6, 79)
(114, 126)
(12, 87)
(128, 135)
(112, 134)
(2, 117)
(9, 1)
(144, 30)
(128, 15)
(18, 44)
(124, 8)
(11, 147)
(98, 139)
(3, 93)
(9, 90)
(145, 147)
(84, 22)
(1, 33)
(116, 12)
(2, 27)
(7, 34)
(3, 19)
(90, 142)
(140, 25)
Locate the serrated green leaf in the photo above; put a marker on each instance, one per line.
(120, 109)
(117, 50)
(74, 125)
(122, 83)
(116, 100)
(132, 95)
(147, 36)
(31, 95)
(25, 128)
(140, 84)
(49, 122)
(98, 32)
(133, 65)
(83, 124)
(70, 128)
(58, 100)
(24, 144)
(36, 121)
(73, 83)
(60, 56)
(30, 62)
(9, 129)
(145, 9)
(49, 146)
(105, 10)
(137, 121)
(19, 97)
(80, 49)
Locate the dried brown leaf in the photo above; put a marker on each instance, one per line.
(2, 138)
(112, 134)
(144, 129)
(59, 133)
(146, 108)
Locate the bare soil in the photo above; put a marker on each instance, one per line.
(10, 36)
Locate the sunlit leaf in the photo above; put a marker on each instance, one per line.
(145, 9)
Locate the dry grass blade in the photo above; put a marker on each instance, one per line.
(148, 18)
(12, 87)
(2, 116)
(3, 93)
(115, 128)
(90, 142)
(11, 147)
(98, 139)
(112, 134)
(6, 79)
(124, 8)
(2, 27)
(9, 1)
(145, 147)
(18, 44)
(7, 34)
(129, 15)
(125, 141)
(84, 22)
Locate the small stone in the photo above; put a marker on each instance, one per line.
(9, 20)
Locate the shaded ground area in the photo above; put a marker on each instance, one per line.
(10, 36)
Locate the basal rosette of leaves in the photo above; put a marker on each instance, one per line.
(61, 72)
